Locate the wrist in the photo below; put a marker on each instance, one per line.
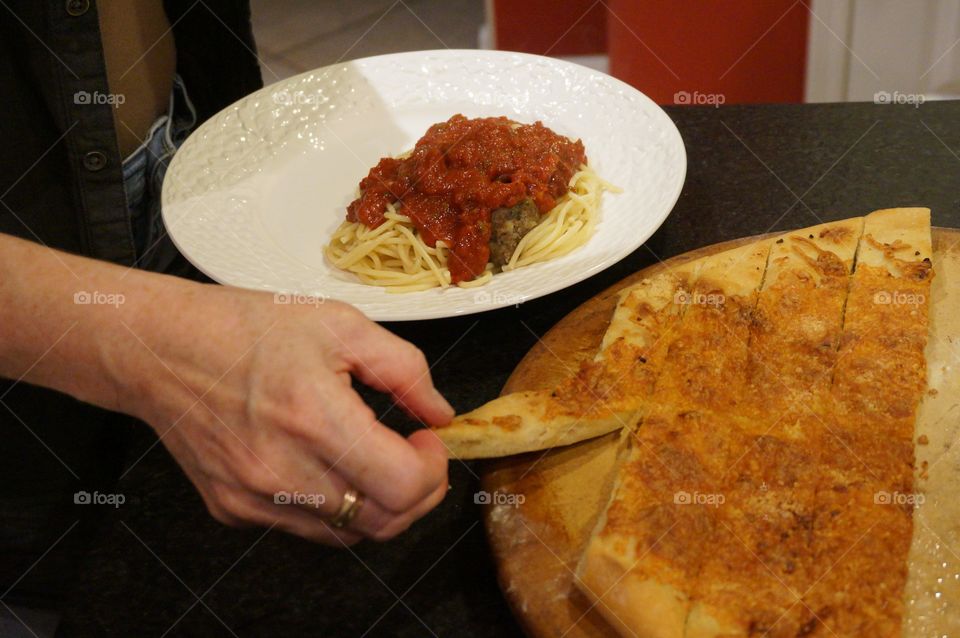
(133, 347)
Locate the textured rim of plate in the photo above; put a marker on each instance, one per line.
(650, 109)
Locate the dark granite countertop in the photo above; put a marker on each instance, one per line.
(162, 564)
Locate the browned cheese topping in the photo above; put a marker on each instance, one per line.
(771, 477)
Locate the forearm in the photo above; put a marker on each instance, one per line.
(252, 398)
(67, 319)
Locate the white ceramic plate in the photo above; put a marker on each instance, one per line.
(253, 195)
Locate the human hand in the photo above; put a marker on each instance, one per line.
(254, 399)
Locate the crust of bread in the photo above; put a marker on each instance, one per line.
(523, 422)
(813, 246)
(878, 382)
(529, 421)
(536, 420)
(799, 309)
(656, 293)
(633, 605)
(630, 590)
(735, 273)
(644, 596)
(890, 229)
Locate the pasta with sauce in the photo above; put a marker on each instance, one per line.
(472, 198)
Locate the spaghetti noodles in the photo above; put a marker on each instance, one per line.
(437, 233)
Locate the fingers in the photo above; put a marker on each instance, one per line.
(386, 362)
(238, 507)
(373, 519)
(376, 522)
(428, 442)
(326, 440)
(374, 459)
(342, 447)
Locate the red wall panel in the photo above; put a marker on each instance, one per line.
(746, 51)
(570, 27)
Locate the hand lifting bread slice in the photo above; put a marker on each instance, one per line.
(796, 441)
(605, 394)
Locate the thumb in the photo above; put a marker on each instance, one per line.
(425, 441)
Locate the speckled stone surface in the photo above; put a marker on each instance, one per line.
(752, 169)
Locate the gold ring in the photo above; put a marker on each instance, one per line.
(352, 501)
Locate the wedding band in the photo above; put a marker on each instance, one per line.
(352, 501)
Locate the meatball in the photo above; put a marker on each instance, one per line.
(508, 226)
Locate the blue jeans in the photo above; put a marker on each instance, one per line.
(143, 174)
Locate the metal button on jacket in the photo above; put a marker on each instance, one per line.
(78, 7)
(94, 161)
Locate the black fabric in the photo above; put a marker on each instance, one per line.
(53, 446)
(46, 57)
(215, 51)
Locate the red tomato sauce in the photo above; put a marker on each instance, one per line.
(462, 170)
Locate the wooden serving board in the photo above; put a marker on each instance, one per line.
(537, 535)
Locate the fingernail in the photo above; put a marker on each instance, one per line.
(449, 409)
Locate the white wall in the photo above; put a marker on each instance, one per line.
(859, 49)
